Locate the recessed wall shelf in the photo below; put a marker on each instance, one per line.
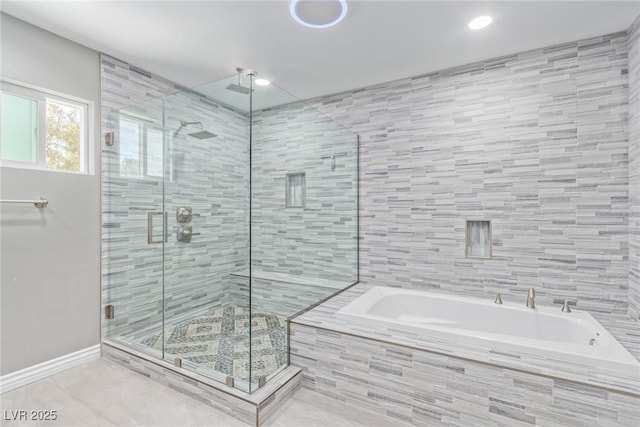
(295, 190)
(478, 239)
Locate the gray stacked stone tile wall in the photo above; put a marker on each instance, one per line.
(428, 389)
(312, 249)
(210, 175)
(536, 142)
(319, 240)
(634, 170)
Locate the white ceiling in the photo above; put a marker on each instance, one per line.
(197, 42)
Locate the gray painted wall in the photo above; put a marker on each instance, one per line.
(634, 170)
(50, 259)
(537, 142)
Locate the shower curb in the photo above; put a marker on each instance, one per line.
(252, 409)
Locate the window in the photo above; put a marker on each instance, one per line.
(42, 130)
(140, 149)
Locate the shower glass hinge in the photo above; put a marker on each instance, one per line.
(109, 312)
(109, 139)
(229, 381)
(262, 381)
(178, 362)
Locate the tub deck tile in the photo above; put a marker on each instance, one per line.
(324, 317)
(430, 388)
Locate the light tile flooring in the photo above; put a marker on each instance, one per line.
(102, 393)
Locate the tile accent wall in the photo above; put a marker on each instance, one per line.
(201, 177)
(300, 255)
(586, 371)
(317, 241)
(536, 142)
(213, 178)
(634, 170)
(427, 389)
(283, 295)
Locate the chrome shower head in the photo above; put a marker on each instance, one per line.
(238, 87)
(203, 134)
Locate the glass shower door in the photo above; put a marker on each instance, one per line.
(134, 227)
(206, 196)
(176, 231)
(304, 222)
(228, 209)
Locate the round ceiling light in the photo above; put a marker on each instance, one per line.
(262, 82)
(480, 22)
(318, 13)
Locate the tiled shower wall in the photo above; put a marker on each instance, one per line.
(536, 142)
(319, 240)
(310, 246)
(212, 177)
(634, 170)
(209, 175)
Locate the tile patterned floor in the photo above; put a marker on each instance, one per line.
(220, 341)
(104, 394)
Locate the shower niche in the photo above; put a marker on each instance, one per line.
(210, 162)
(296, 190)
(478, 239)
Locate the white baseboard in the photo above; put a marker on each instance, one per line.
(46, 369)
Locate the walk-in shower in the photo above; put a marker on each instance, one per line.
(205, 258)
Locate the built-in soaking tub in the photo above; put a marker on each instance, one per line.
(552, 338)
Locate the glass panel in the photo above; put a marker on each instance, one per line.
(133, 233)
(298, 256)
(130, 141)
(153, 153)
(207, 263)
(19, 136)
(64, 136)
(206, 306)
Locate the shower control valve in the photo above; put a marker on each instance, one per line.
(184, 214)
(185, 233)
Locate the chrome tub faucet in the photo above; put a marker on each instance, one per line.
(531, 298)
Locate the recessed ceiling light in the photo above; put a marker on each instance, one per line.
(318, 13)
(480, 22)
(262, 82)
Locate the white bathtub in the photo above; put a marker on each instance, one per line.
(543, 332)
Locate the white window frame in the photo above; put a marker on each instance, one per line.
(41, 95)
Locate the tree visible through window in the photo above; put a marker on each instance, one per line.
(63, 137)
(42, 130)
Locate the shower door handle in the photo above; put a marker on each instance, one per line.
(165, 235)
